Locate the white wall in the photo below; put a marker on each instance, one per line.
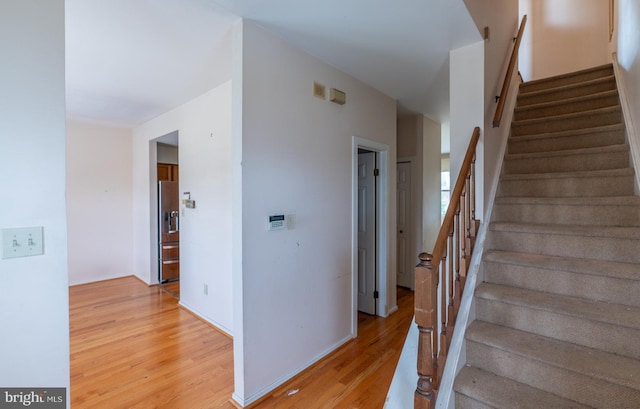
(419, 140)
(503, 22)
(409, 149)
(564, 36)
(628, 17)
(407, 136)
(467, 111)
(431, 168)
(99, 202)
(167, 154)
(34, 345)
(204, 126)
(295, 285)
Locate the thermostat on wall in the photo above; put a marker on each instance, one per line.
(276, 222)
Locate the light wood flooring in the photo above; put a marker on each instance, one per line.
(172, 287)
(133, 347)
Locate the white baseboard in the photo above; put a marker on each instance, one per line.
(269, 388)
(204, 318)
(392, 310)
(632, 135)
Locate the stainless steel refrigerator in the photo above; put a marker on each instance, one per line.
(168, 231)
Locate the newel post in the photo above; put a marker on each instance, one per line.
(426, 315)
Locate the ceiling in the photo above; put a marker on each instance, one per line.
(131, 60)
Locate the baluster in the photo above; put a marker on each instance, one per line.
(444, 335)
(468, 221)
(451, 313)
(456, 237)
(468, 190)
(426, 316)
(472, 172)
(463, 239)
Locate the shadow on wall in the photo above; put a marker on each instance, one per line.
(563, 36)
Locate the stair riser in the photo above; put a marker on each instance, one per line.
(589, 333)
(527, 98)
(464, 402)
(599, 248)
(561, 124)
(586, 140)
(567, 108)
(566, 80)
(561, 382)
(596, 287)
(568, 163)
(490, 390)
(580, 215)
(568, 187)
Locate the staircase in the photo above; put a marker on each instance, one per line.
(558, 315)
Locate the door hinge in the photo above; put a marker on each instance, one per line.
(376, 172)
(376, 295)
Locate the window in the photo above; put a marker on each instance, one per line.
(445, 193)
(445, 185)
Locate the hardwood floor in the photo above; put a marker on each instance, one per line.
(133, 347)
(172, 287)
(358, 374)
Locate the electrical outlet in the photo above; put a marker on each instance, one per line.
(205, 289)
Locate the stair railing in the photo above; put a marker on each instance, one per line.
(502, 98)
(447, 266)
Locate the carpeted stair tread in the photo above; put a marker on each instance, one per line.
(567, 106)
(614, 314)
(588, 361)
(569, 152)
(619, 244)
(571, 175)
(605, 70)
(580, 138)
(608, 182)
(598, 280)
(599, 158)
(632, 233)
(595, 211)
(482, 389)
(567, 122)
(593, 86)
(573, 201)
(612, 269)
(575, 372)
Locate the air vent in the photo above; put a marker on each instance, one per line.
(319, 90)
(337, 96)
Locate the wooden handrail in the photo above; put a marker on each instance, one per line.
(455, 241)
(457, 193)
(507, 78)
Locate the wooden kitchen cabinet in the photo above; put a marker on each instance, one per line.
(167, 171)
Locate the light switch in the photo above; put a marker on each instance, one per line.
(22, 242)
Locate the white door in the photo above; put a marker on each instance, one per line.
(406, 258)
(366, 232)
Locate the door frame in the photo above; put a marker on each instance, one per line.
(382, 233)
(171, 138)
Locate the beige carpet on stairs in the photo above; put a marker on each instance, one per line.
(558, 316)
